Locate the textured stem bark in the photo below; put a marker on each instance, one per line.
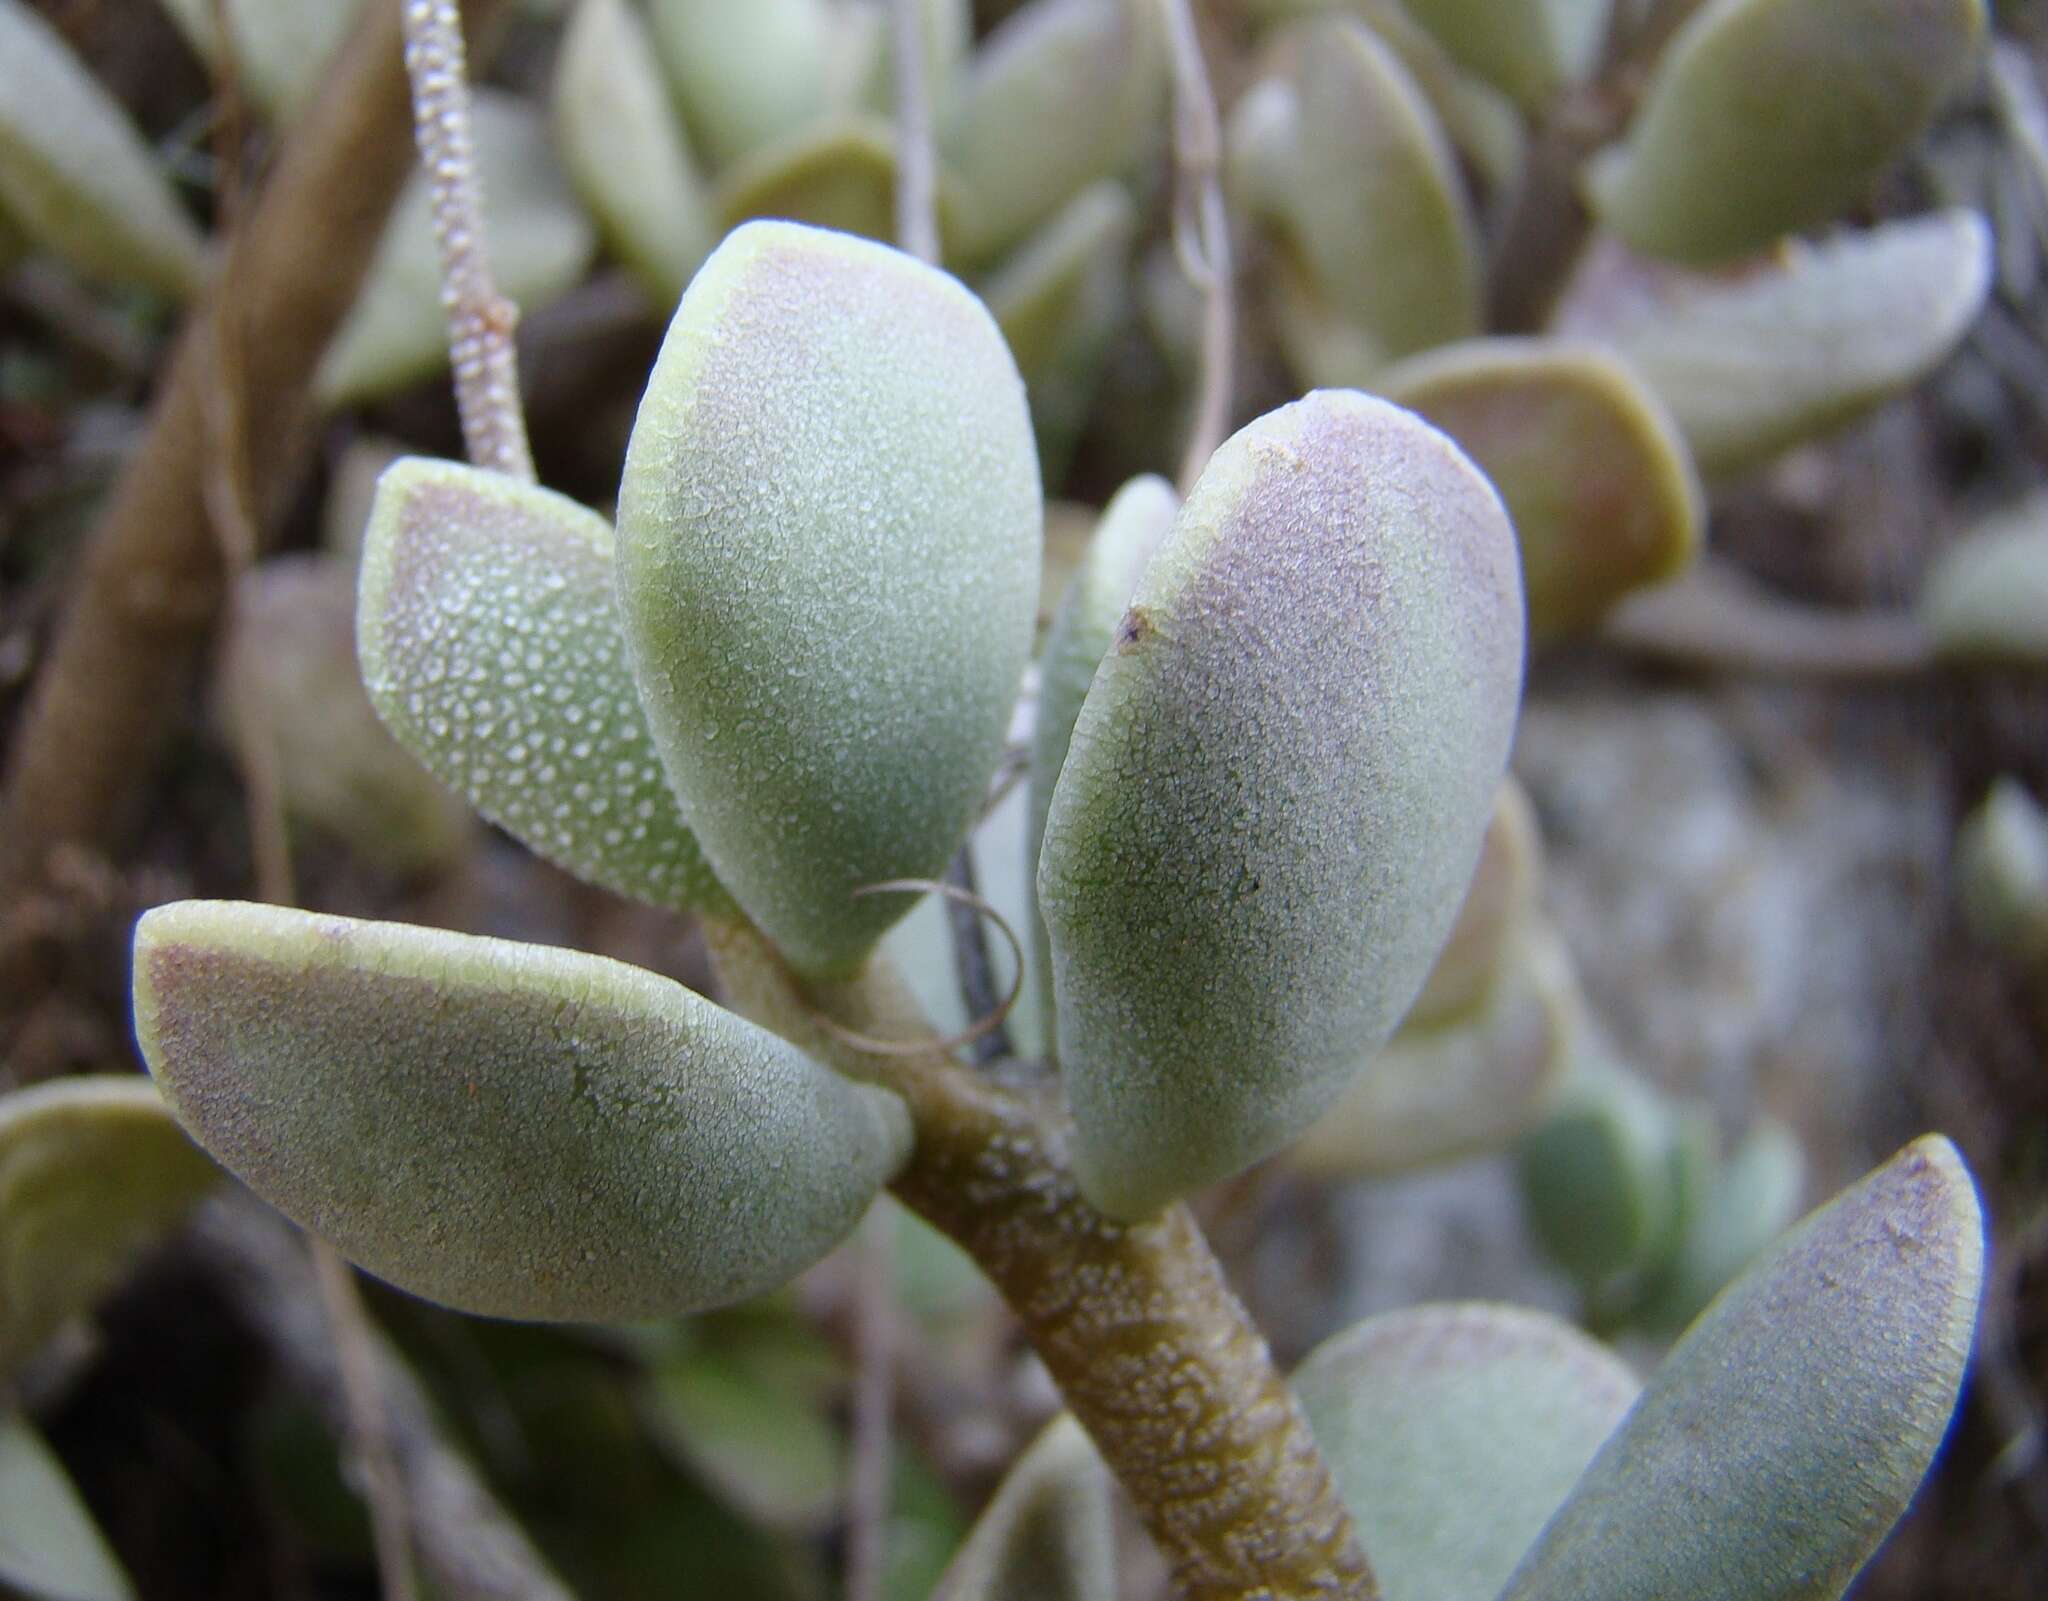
(1150, 1348)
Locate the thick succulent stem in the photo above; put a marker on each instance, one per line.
(1152, 1351)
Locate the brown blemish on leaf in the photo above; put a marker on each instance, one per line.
(1136, 628)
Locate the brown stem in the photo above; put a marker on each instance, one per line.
(148, 598)
(1152, 1351)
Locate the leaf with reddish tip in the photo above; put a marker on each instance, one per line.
(1599, 484)
(92, 1171)
(1785, 1434)
(1046, 1535)
(829, 539)
(507, 1129)
(1454, 1432)
(1768, 116)
(490, 645)
(1276, 790)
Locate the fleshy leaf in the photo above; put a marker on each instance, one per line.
(541, 242)
(837, 174)
(750, 74)
(92, 1171)
(1046, 1535)
(1276, 790)
(625, 149)
(1768, 116)
(281, 50)
(1493, 916)
(1453, 1432)
(1807, 342)
(1064, 92)
(1529, 48)
(1485, 125)
(490, 645)
(1748, 1201)
(1783, 1436)
(1338, 154)
(76, 177)
(1986, 598)
(828, 571)
(2002, 872)
(289, 680)
(50, 1548)
(1597, 1177)
(1083, 631)
(1478, 1083)
(504, 1128)
(1599, 484)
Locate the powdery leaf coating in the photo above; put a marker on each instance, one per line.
(624, 147)
(506, 1129)
(1046, 1534)
(490, 645)
(1064, 92)
(1768, 116)
(50, 1549)
(1986, 598)
(1339, 155)
(828, 572)
(1529, 48)
(76, 176)
(92, 1171)
(541, 242)
(749, 74)
(1454, 1431)
(1276, 790)
(1493, 917)
(1479, 1083)
(1808, 342)
(1600, 486)
(1783, 1436)
(281, 51)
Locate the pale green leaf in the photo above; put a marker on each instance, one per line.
(1597, 1177)
(1600, 486)
(1986, 598)
(92, 1172)
(1485, 125)
(829, 539)
(748, 75)
(1806, 342)
(489, 640)
(76, 177)
(1768, 116)
(1529, 48)
(837, 173)
(1748, 1201)
(2002, 872)
(1493, 917)
(1784, 1435)
(541, 242)
(625, 149)
(282, 47)
(1046, 1536)
(1276, 790)
(1063, 93)
(50, 1548)
(1453, 1432)
(507, 1129)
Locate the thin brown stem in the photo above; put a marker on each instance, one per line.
(481, 321)
(1201, 234)
(917, 214)
(1150, 1348)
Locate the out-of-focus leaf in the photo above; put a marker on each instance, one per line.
(1276, 790)
(76, 177)
(829, 540)
(1475, 1084)
(1781, 1439)
(1336, 152)
(1454, 1432)
(92, 1171)
(1529, 48)
(507, 1129)
(290, 684)
(50, 1548)
(489, 640)
(282, 47)
(625, 149)
(1063, 93)
(750, 74)
(839, 173)
(1986, 598)
(1768, 116)
(1804, 343)
(1046, 1535)
(1600, 485)
(541, 242)
(1748, 1201)
(2002, 872)
(1597, 1177)
(1495, 913)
